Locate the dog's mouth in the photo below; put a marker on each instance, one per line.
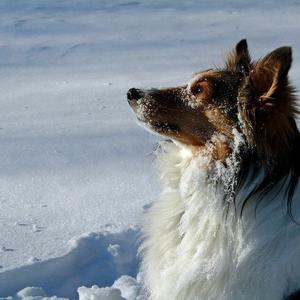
(164, 127)
(147, 113)
(147, 118)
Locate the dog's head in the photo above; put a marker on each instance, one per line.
(253, 98)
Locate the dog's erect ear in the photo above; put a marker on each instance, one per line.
(267, 112)
(269, 77)
(239, 60)
(267, 103)
(243, 59)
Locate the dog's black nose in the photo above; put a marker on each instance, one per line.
(134, 94)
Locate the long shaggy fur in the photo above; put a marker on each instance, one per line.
(192, 252)
(226, 225)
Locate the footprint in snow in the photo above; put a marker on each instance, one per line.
(146, 207)
(33, 259)
(36, 228)
(4, 249)
(130, 3)
(109, 226)
(20, 23)
(21, 224)
(101, 107)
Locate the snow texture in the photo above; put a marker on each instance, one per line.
(90, 261)
(74, 166)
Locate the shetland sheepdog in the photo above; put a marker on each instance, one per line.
(227, 223)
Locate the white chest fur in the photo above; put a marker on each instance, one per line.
(192, 252)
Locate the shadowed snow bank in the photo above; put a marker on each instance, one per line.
(95, 258)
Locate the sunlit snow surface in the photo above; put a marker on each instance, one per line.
(75, 170)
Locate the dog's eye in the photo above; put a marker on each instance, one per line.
(197, 90)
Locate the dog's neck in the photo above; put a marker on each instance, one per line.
(203, 164)
(188, 227)
(189, 240)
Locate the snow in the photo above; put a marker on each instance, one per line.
(76, 173)
(96, 293)
(131, 288)
(89, 261)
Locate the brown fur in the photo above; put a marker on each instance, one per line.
(267, 106)
(254, 98)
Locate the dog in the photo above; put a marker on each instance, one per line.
(227, 223)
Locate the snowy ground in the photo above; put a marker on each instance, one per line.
(75, 170)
